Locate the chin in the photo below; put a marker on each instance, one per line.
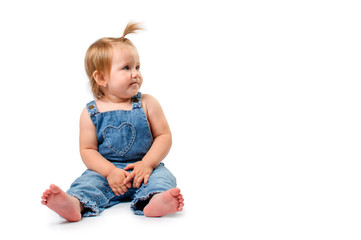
(134, 91)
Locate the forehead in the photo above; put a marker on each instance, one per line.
(122, 53)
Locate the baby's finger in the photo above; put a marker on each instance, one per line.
(129, 177)
(129, 166)
(124, 189)
(129, 185)
(138, 181)
(135, 180)
(146, 178)
(115, 191)
(120, 191)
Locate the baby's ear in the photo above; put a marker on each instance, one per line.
(99, 78)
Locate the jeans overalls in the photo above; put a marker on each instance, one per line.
(123, 137)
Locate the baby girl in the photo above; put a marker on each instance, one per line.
(124, 136)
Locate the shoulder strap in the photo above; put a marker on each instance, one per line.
(92, 108)
(137, 100)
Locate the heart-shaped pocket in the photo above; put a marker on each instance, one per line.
(120, 139)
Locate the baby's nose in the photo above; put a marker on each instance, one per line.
(134, 73)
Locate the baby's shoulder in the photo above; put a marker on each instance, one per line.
(85, 121)
(147, 97)
(149, 101)
(151, 106)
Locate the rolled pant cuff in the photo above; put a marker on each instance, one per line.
(138, 204)
(90, 207)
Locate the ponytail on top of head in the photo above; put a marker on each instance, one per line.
(131, 28)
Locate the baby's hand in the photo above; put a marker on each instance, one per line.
(141, 171)
(116, 181)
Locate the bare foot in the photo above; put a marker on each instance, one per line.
(164, 203)
(60, 202)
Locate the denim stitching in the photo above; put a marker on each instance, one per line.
(130, 144)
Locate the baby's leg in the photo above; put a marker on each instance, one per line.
(63, 204)
(159, 196)
(94, 193)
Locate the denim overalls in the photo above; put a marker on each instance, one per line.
(123, 137)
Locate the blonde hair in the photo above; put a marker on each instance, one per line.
(99, 56)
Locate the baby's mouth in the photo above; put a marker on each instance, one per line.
(133, 83)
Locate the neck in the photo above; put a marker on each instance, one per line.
(114, 99)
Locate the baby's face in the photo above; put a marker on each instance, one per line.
(125, 79)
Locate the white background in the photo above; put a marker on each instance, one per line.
(263, 99)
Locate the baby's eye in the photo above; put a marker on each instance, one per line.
(126, 68)
(137, 67)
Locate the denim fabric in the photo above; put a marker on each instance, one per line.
(94, 193)
(123, 137)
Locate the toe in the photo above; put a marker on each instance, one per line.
(54, 188)
(175, 192)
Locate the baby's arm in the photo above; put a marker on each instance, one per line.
(95, 161)
(162, 142)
